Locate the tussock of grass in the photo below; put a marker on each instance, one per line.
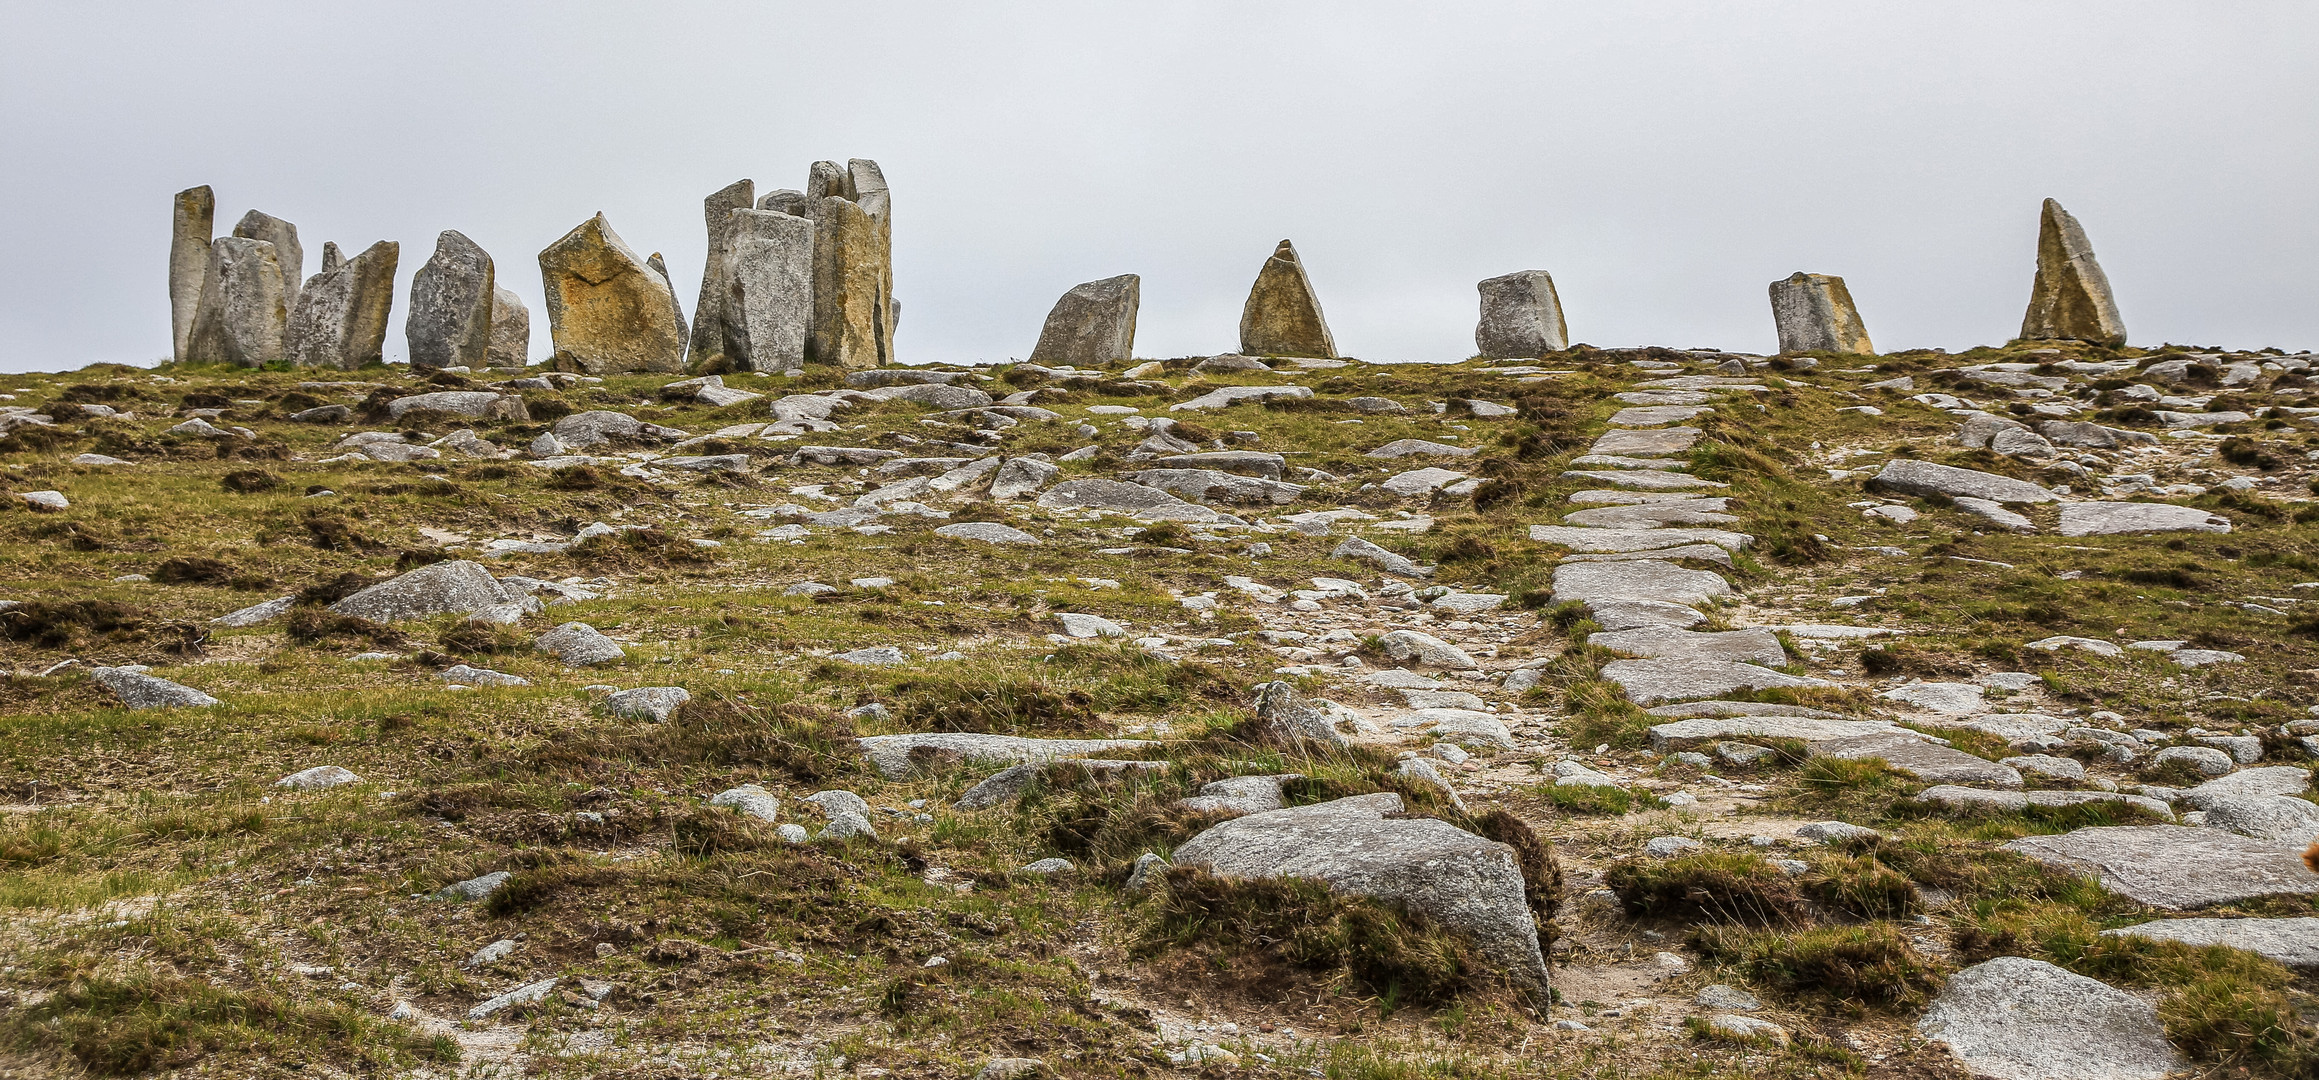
(1300, 924)
(126, 1024)
(1853, 968)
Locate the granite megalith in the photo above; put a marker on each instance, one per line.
(768, 303)
(1815, 313)
(340, 320)
(708, 313)
(608, 312)
(1521, 317)
(449, 324)
(1092, 325)
(1283, 315)
(193, 219)
(510, 331)
(848, 266)
(244, 317)
(2070, 300)
(258, 225)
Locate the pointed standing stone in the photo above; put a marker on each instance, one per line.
(340, 320)
(608, 313)
(510, 330)
(1521, 317)
(659, 266)
(242, 317)
(284, 236)
(450, 320)
(708, 313)
(768, 306)
(193, 219)
(1283, 316)
(1092, 325)
(869, 189)
(1815, 313)
(2070, 301)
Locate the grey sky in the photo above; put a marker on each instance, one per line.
(1665, 161)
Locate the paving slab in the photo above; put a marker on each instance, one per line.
(1655, 415)
(2174, 866)
(1703, 552)
(1629, 540)
(1628, 614)
(1922, 759)
(2007, 802)
(1643, 480)
(1912, 477)
(2117, 518)
(2293, 942)
(1651, 682)
(1654, 515)
(1701, 730)
(2014, 1018)
(1642, 579)
(1657, 442)
(1757, 646)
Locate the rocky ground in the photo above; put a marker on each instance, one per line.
(1621, 713)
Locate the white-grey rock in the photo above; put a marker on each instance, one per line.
(1424, 650)
(1682, 734)
(1017, 477)
(988, 532)
(1836, 832)
(1008, 784)
(651, 703)
(1640, 579)
(2115, 518)
(1912, 477)
(1080, 625)
(138, 690)
(894, 756)
(1467, 884)
(530, 994)
(2206, 759)
(2290, 941)
(1521, 317)
(256, 613)
(578, 644)
(1650, 682)
(2175, 866)
(1091, 325)
(455, 587)
(1134, 500)
(2047, 765)
(1751, 646)
(318, 777)
(1923, 759)
(244, 314)
(474, 888)
(1633, 540)
(1420, 481)
(2265, 817)
(1392, 563)
(1290, 718)
(449, 323)
(749, 800)
(1668, 847)
(2014, 1018)
(469, 675)
(2250, 783)
(492, 953)
(1723, 997)
(1953, 698)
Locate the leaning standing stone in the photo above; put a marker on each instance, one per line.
(847, 267)
(450, 320)
(1092, 325)
(340, 320)
(243, 314)
(193, 219)
(768, 305)
(1521, 317)
(2070, 300)
(1815, 313)
(708, 313)
(607, 312)
(257, 225)
(1283, 316)
(510, 330)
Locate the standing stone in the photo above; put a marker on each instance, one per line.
(1815, 314)
(192, 221)
(284, 236)
(1092, 325)
(608, 313)
(510, 330)
(1521, 317)
(2070, 301)
(340, 320)
(870, 190)
(659, 266)
(1283, 316)
(788, 201)
(242, 318)
(847, 255)
(708, 313)
(768, 303)
(450, 320)
(826, 179)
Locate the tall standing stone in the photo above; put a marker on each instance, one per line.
(768, 306)
(869, 189)
(1521, 317)
(1283, 316)
(193, 219)
(659, 266)
(340, 320)
(242, 317)
(510, 330)
(847, 269)
(2070, 301)
(708, 313)
(608, 313)
(1092, 325)
(284, 236)
(450, 320)
(1815, 313)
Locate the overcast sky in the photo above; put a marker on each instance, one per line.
(1666, 161)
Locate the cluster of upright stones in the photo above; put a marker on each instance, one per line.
(798, 275)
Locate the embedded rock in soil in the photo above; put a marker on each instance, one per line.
(1642, 579)
(2014, 1018)
(138, 690)
(2114, 518)
(1698, 731)
(1649, 682)
(1468, 884)
(653, 703)
(2291, 941)
(1632, 540)
(578, 644)
(1755, 646)
(1134, 500)
(1928, 761)
(1424, 650)
(1912, 477)
(2176, 866)
(456, 587)
(1008, 784)
(896, 756)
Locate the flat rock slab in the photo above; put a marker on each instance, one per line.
(1133, 500)
(1614, 461)
(2011, 802)
(1630, 540)
(1684, 734)
(1953, 698)
(1465, 727)
(1756, 646)
(1641, 579)
(1912, 477)
(1704, 552)
(1603, 497)
(2014, 1018)
(1921, 759)
(2270, 780)
(1629, 614)
(1654, 515)
(1650, 682)
(1654, 415)
(1688, 709)
(1008, 784)
(2114, 518)
(1662, 397)
(1466, 883)
(1643, 480)
(2010, 726)
(897, 756)
(2175, 866)
(1661, 442)
(1717, 383)
(2293, 942)
(1227, 396)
